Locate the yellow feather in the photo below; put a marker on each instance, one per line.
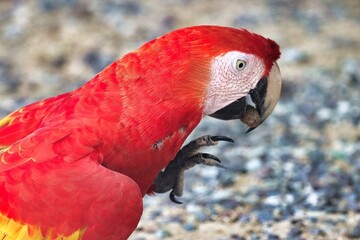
(23, 234)
(12, 230)
(7, 120)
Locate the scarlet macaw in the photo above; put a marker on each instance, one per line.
(76, 166)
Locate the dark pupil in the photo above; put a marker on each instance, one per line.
(241, 64)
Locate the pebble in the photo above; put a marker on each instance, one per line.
(123, 7)
(237, 237)
(162, 234)
(355, 232)
(51, 5)
(189, 227)
(265, 216)
(317, 231)
(8, 82)
(246, 20)
(254, 237)
(198, 212)
(244, 218)
(273, 237)
(294, 55)
(301, 160)
(253, 164)
(222, 194)
(294, 233)
(97, 61)
(351, 68)
(226, 178)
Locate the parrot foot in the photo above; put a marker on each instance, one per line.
(172, 178)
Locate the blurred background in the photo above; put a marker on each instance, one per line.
(295, 177)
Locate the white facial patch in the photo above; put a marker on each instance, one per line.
(229, 81)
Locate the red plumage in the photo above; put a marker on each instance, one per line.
(82, 161)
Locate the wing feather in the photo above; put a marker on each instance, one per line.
(24, 121)
(37, 147)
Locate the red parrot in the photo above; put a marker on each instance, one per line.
(76, 166)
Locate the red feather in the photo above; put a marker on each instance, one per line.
(80, 162)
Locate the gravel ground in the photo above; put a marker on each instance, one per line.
(295, 177)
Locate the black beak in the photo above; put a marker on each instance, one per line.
(237, 109)
(232, 111)
(258, 95)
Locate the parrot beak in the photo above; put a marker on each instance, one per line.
(263, 98)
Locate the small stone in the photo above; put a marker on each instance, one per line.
(351, 68)
(154, 214)
(343, 107)
(130, 7)
(227, 178)
(189, 227)
(96, 61)
(313, 199)
(355, 231)
(317, 231)
(168, 22)
(246, 20)
(294, 55)
(253, 164)
(235, 236)
(245, 218)
(59, 62)
(140, 238)
(254, 237)
(199, 214)
(324, 114)
(51, 5)
(277, 214)
(294, 233)
(161, 234)
(265, 216)
(273, 237)
(222, 194)
(274, 200)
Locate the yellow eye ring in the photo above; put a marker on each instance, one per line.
(240, 64)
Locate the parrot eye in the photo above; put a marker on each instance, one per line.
(240, 64)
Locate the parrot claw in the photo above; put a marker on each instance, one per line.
(172, 178)
(173, 198)
(206, 159)
(250, 129)
(221, 138)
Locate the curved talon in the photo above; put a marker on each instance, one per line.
(222, 138)
(214, 161)
(250, 129)
(173, 198)
(208, 155)
(172, 177)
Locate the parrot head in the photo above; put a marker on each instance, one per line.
(228, 73)
(245, 80)
(232, 72)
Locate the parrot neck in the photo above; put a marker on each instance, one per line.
(142, 123)
(144, 146)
